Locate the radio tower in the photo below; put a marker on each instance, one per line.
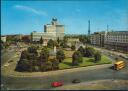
(107, 28)
(89, 27)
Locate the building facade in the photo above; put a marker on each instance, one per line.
(72, 41)
(97, 39)
(51, 31)
(117, 40)
(3, 38)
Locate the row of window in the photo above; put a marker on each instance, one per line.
(125, 36)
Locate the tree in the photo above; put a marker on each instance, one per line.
(36, 68)
(48, 65)
(50, 43)
(88, 40)
(65, 39)
(32, 49)
(43, 57)
(64, 44)
(41, 40)
(58, 40)
(82, 38)
(23, 65)
(25, 39)
(76, 58)
(82, 51)
(24, 54)
(55, 64)
(73, 47)
(46, 51)
(89, 52)
(60, 55)
(97, 56)
(2, 44)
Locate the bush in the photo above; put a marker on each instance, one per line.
(64, 44)
(43, 57)
(23, 65)
(55, 64)
(76, 58)
(89, 52)
(48, 65)
(60, 55)
(82, 51)
(73, 47)
(32, 49)
(97, 56)
(46, 51)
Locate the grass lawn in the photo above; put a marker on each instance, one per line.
(67, 63)
(68, 53)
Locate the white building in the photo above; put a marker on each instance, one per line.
(3, 38)
(51, 31)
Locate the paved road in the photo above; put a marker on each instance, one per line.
(66, 78)
(6, 55)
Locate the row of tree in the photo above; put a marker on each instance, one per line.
(31, 61)
(63, 43)
(78, 55)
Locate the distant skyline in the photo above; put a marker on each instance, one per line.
(23, 17)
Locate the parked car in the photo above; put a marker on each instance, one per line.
(76, 81)
(56, 84)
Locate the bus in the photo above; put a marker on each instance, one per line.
(119, 65)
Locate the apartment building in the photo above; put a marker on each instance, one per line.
(117, 40)
(98, 39)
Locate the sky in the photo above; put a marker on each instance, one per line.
(23, 17)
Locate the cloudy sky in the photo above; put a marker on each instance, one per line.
(26, 16)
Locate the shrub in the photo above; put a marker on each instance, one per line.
(76, 58)
(73, 47)
(97, 56)
(60, 55)
(82, 51)
(89, 52)
(55, 64)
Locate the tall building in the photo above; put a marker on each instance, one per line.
(97, 39)
(51, 31)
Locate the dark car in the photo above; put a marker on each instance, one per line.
(76, 81)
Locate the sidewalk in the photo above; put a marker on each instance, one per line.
(57, 72)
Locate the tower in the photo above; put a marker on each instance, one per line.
(107, 28)
(89, 27)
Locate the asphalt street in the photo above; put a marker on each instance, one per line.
(45, 82)
(6, 55)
